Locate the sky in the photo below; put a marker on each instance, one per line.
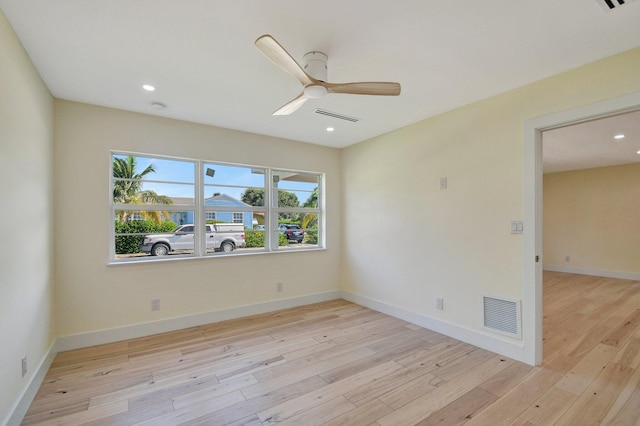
(183, 174)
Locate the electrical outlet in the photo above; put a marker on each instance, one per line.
(279, 287)
(155, 304)
(24, 366)
(439, 303)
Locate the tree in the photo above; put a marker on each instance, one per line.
(312, 201)
(127, 182)
(287, 199)
(310, 220)
(255, 197)
(127, 189)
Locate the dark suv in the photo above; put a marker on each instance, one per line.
(293, 232)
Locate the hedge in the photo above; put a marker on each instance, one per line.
(127, 244)
(256, 239)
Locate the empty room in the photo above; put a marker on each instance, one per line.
(346, 213)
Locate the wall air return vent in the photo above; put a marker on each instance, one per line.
(612, 4)
(502, 316)
(335, 115)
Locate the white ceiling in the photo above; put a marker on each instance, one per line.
(201, 57)
(592, 144)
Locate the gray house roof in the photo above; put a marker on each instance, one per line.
(224, 200)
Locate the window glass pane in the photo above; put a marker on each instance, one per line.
(146, 180)
(226, 185)
(300, 229)
(140, 234)
(168, 193)
(296, 189)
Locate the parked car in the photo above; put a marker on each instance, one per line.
(293, 232)
(225, 237)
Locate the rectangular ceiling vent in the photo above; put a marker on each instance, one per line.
(502, 316)
(612, 4)
(336, 115)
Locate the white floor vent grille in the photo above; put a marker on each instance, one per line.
(502, 316)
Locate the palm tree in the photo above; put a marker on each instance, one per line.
(127, 182)
(127, 189)
(310, 220)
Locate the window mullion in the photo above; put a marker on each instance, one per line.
(200, 227)
(273, 192)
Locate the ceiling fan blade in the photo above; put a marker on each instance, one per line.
(279, 56)
(292, 105)
(364, 88)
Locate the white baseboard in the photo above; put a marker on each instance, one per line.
(499, 345)
(100, 337)
(623, 275)
(16, 414)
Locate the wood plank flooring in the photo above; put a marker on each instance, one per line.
(337, 363)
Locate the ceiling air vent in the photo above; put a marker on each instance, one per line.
(502, 316)
(612, 4)
(336, 115)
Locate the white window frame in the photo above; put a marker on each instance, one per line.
(200, 211)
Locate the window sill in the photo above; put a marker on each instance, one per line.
(180, 258)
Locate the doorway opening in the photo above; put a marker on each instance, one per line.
(533, 182)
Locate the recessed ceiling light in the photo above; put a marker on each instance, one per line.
(330, 129)
(158, 105)
(148, 87)
(619, 136)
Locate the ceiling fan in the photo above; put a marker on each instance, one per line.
(313, 76)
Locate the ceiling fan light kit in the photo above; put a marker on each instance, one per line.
(315, 91)
(313, 76)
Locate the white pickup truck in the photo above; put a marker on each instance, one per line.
(225, 237)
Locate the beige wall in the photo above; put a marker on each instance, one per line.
(26, 262)
(592, 216)
(392, 236)
(93, 296)
(407, 242)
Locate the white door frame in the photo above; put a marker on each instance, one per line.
(532, 283)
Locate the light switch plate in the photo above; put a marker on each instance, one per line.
(517, 227)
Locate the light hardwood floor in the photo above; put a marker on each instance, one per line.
(337, 363)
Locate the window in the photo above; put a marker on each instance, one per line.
(136, 216)
(168, 208)
(296, 205)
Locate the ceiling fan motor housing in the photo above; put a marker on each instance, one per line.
(315, 64)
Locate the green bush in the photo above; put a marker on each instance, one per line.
(167, 226)
(256, 239)
(126, 244)
(311, 236)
